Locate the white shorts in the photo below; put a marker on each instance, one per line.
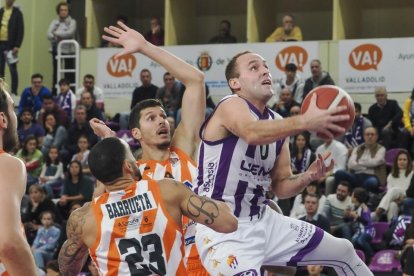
(272, 239)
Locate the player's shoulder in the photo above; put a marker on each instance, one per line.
(80, 214)
(9, 163)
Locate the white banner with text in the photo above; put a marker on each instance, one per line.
(119, 77)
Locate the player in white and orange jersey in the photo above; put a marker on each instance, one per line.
(15, 255)
(134, 228)
(164, 156)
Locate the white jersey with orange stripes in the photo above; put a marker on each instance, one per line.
(135, 233)
(182, 168)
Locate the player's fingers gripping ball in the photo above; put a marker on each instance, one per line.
(331, 96)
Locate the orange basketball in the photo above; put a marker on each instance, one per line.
(330, 96)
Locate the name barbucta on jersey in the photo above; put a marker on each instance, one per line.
(131, 205)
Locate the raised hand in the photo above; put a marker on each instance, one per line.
(100, 129)
(318, 168)
(131, 40)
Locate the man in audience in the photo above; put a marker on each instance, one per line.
(146, 91)
(156, 35)
(50, 106)
(334, 210)
(311, 203)
(339, 153)
(89, 85)
(80, 126)
(288, 32)
(27, 127)
(32, 97)
(224, 35)
(386, 116)
(92, 111)
(366, 164)
(66, 98)
(285, 103)
(318, 78)
(170, 94)
(11, 37)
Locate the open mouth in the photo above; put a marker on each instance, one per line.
(267, 82)
(163, 131)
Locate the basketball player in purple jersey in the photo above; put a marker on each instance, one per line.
(244, 153)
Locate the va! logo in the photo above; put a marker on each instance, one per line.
(365, 57)
(292, 54)
(122, 66)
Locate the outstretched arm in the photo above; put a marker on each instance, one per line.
(14, 250)
(285, 184)
(212, 213)
(74, 252)
(194, 100)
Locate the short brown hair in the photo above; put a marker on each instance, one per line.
(231, 68)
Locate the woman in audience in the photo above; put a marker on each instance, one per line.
(39, 203)
(301, 154)
(82, 155)
(55, 135)
(76, 187)
(298, 209)
(398, 182)
(32, 158)
(52, 172)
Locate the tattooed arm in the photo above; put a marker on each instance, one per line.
(74, 252)
(212, 213)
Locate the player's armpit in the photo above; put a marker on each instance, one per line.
(74, 252)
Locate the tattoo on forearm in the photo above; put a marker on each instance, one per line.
(74, 252)
(202, 206)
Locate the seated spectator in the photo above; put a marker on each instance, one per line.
(224, 34)
(82, 154)
(292, 81)
(27, 127)
(52, 172)
(170, 94)
(92, 111)
(80, 126)
(339, 153)
(56, 135)
(38, 203)
(288, 31)
(46, 240)
(156, 35)
(386, 116)
(50, 106)
(355, 135)
(364, 230)
(294, 110)
(32, 158)
(76, 187)
(147, 90)
(298, 209)
(301, 155)
(398, 182)
(89, 85)
(312, 216)
(334, 210)
(407, 256)
(66, 99)
(285, 103)
(32, 97)
(366, 164)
